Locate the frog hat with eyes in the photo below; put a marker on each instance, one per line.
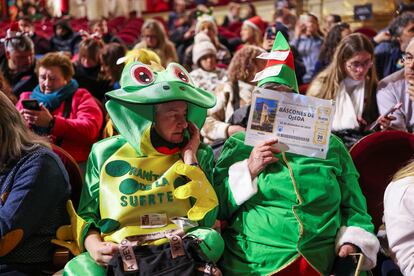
(132, 106)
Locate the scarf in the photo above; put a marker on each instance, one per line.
(349, 104)
(163, 146)
(53, 100)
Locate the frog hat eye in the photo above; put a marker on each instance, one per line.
(142, 75)
(178, 72)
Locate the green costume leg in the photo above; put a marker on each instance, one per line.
(83, 265)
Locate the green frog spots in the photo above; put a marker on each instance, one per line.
(140, 187)
(117, 168)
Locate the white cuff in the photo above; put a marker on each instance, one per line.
(366, 241)
(240, 181)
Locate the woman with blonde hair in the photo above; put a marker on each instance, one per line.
(350, 80)
(155, 39)
(34, 188)
(399, 218)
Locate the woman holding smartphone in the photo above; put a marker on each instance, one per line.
(68, 114)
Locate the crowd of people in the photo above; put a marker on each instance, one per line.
(173, 110)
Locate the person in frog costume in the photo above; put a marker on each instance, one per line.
(289, 214)
(154, 171)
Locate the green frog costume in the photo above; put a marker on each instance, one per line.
(132, 188)
(299, 207)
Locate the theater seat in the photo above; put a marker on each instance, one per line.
(377, 158)
(74, 172)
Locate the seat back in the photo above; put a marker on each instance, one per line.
(377, 158)
(74, 172)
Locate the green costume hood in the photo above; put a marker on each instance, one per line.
(131, 107)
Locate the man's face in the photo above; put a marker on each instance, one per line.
(409, 63)
(171, 121)
(20, 61)
(406, 35)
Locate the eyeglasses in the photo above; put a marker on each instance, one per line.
(355, 65)
(407, 58)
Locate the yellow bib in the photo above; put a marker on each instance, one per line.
(134, 189)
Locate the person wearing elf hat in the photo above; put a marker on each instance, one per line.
(252, 31)
(289, 214)
(139, 183)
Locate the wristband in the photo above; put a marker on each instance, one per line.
(195, 164)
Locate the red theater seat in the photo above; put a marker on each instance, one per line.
(74, 172)
(377, 158)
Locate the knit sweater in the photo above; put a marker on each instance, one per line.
(34, 191)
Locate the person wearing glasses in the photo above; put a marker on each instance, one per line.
(155, 39)
(399, 88)
(350, 80)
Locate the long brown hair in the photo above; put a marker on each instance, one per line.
(335, 73)
(15, 137)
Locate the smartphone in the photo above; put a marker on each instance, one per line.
(303, 18)
(349, 265)
(271, 33)
(389, 112)
(31, 104)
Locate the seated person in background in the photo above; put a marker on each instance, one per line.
(64, 39)
(330, 21)
(69, 114)
(289, 214)
(332, 39)
(88, 72)
(206, 24)
(41, 44)
(140, 172)
(100, 27)
(350, 81)
(252, 31)
(178, 16)
(388, 53)
(399, 87)
(399, 218)
(233, 14)
(112, 71)
(19, 66)
(235, 93)
(207, 75)
(308, 42)
(34, 188)
(154, 38)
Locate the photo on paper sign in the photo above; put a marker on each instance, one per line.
(264, 114)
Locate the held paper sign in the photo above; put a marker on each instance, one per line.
(301, 124)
